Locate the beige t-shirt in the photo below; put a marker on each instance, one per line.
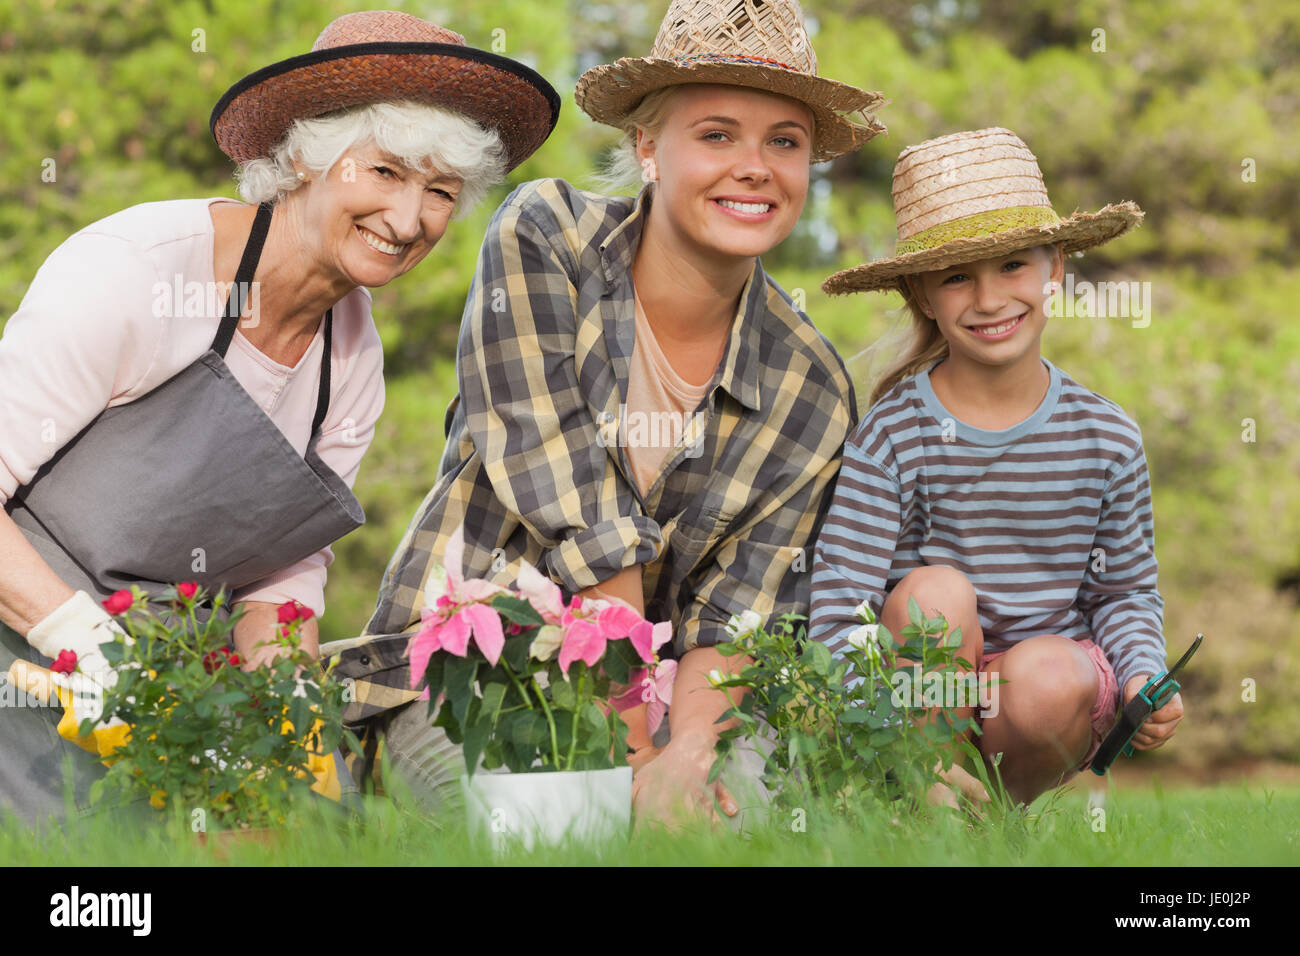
(660, 405)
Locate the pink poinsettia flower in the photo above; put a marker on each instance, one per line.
(657, 692)
(588, 626)
(647, 638)
(652, 688)
(456, 616)
(541, 592)
(584, 641)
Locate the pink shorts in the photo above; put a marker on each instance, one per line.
(1103, 707)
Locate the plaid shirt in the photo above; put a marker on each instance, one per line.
(534, 466)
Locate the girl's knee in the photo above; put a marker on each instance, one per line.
(1051, 684)
(936, 587)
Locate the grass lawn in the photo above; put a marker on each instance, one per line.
(1243, 824)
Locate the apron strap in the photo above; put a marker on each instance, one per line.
(323, 396)
(235, 308)
(243, 279)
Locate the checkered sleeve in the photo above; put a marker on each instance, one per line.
(525, 410)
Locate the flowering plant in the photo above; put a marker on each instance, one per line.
(195, 730)
(531, 695)
(856, 727)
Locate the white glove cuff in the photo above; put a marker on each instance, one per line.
(78, 624)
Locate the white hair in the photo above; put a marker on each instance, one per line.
(422, 137)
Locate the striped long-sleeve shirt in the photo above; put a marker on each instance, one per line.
(1050, 520)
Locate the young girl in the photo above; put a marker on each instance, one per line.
(989, 485)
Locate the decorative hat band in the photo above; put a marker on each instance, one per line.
(690, 58)
(981, 224)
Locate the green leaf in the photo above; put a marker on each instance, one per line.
(720, 762)
(592, 715)
(515, 652)
(476, 737)
(620, 660)
(817, 657)
(954, 638)
(229, 697)
(517, 610)
(447, 721)
(856, 715)
(460, 684)
(530, 728)
(914, 613)
(435, 674)
(493, 695)
(563, 695)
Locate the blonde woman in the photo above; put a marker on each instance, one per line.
(643, 414)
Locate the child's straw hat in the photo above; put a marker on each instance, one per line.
(971, 196)
(378, 56)
(761, 44)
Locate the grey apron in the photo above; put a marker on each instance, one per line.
(191, 482)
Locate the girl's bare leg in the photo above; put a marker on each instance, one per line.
(1043, 722)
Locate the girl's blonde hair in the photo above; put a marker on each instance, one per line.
(920, 345)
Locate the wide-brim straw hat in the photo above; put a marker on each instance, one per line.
(385, 56)
(970, 196)
(761, 44)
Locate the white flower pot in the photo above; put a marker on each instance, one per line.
(549, 808)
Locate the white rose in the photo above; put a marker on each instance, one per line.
(745, 624)
(716, 677)
(865, 637)
(863, 613)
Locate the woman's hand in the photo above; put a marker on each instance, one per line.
(256, 633)
(956, 780)
(672, 786)
(1160, 726)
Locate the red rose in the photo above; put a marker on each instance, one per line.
(291, 611)
(66, 662)
(119, 602)
(187, 589)
(214, 659)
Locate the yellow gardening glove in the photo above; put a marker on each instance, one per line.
(105, 738)
(46, 686)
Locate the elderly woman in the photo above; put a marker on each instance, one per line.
(591, 316)
(151, 436)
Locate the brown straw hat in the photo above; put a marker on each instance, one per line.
(971, 196)
(760, 44)
(385, 56)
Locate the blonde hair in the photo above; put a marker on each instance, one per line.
(919, 346)
(621, 169)
(922, 344)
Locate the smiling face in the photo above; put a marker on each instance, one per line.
(992, 312)
(732, 168)
(374, 218)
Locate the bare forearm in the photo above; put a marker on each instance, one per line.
(696, 704)
(29, 588)
(258, 627)
(626, 586)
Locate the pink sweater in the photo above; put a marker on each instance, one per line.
(100, 326)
